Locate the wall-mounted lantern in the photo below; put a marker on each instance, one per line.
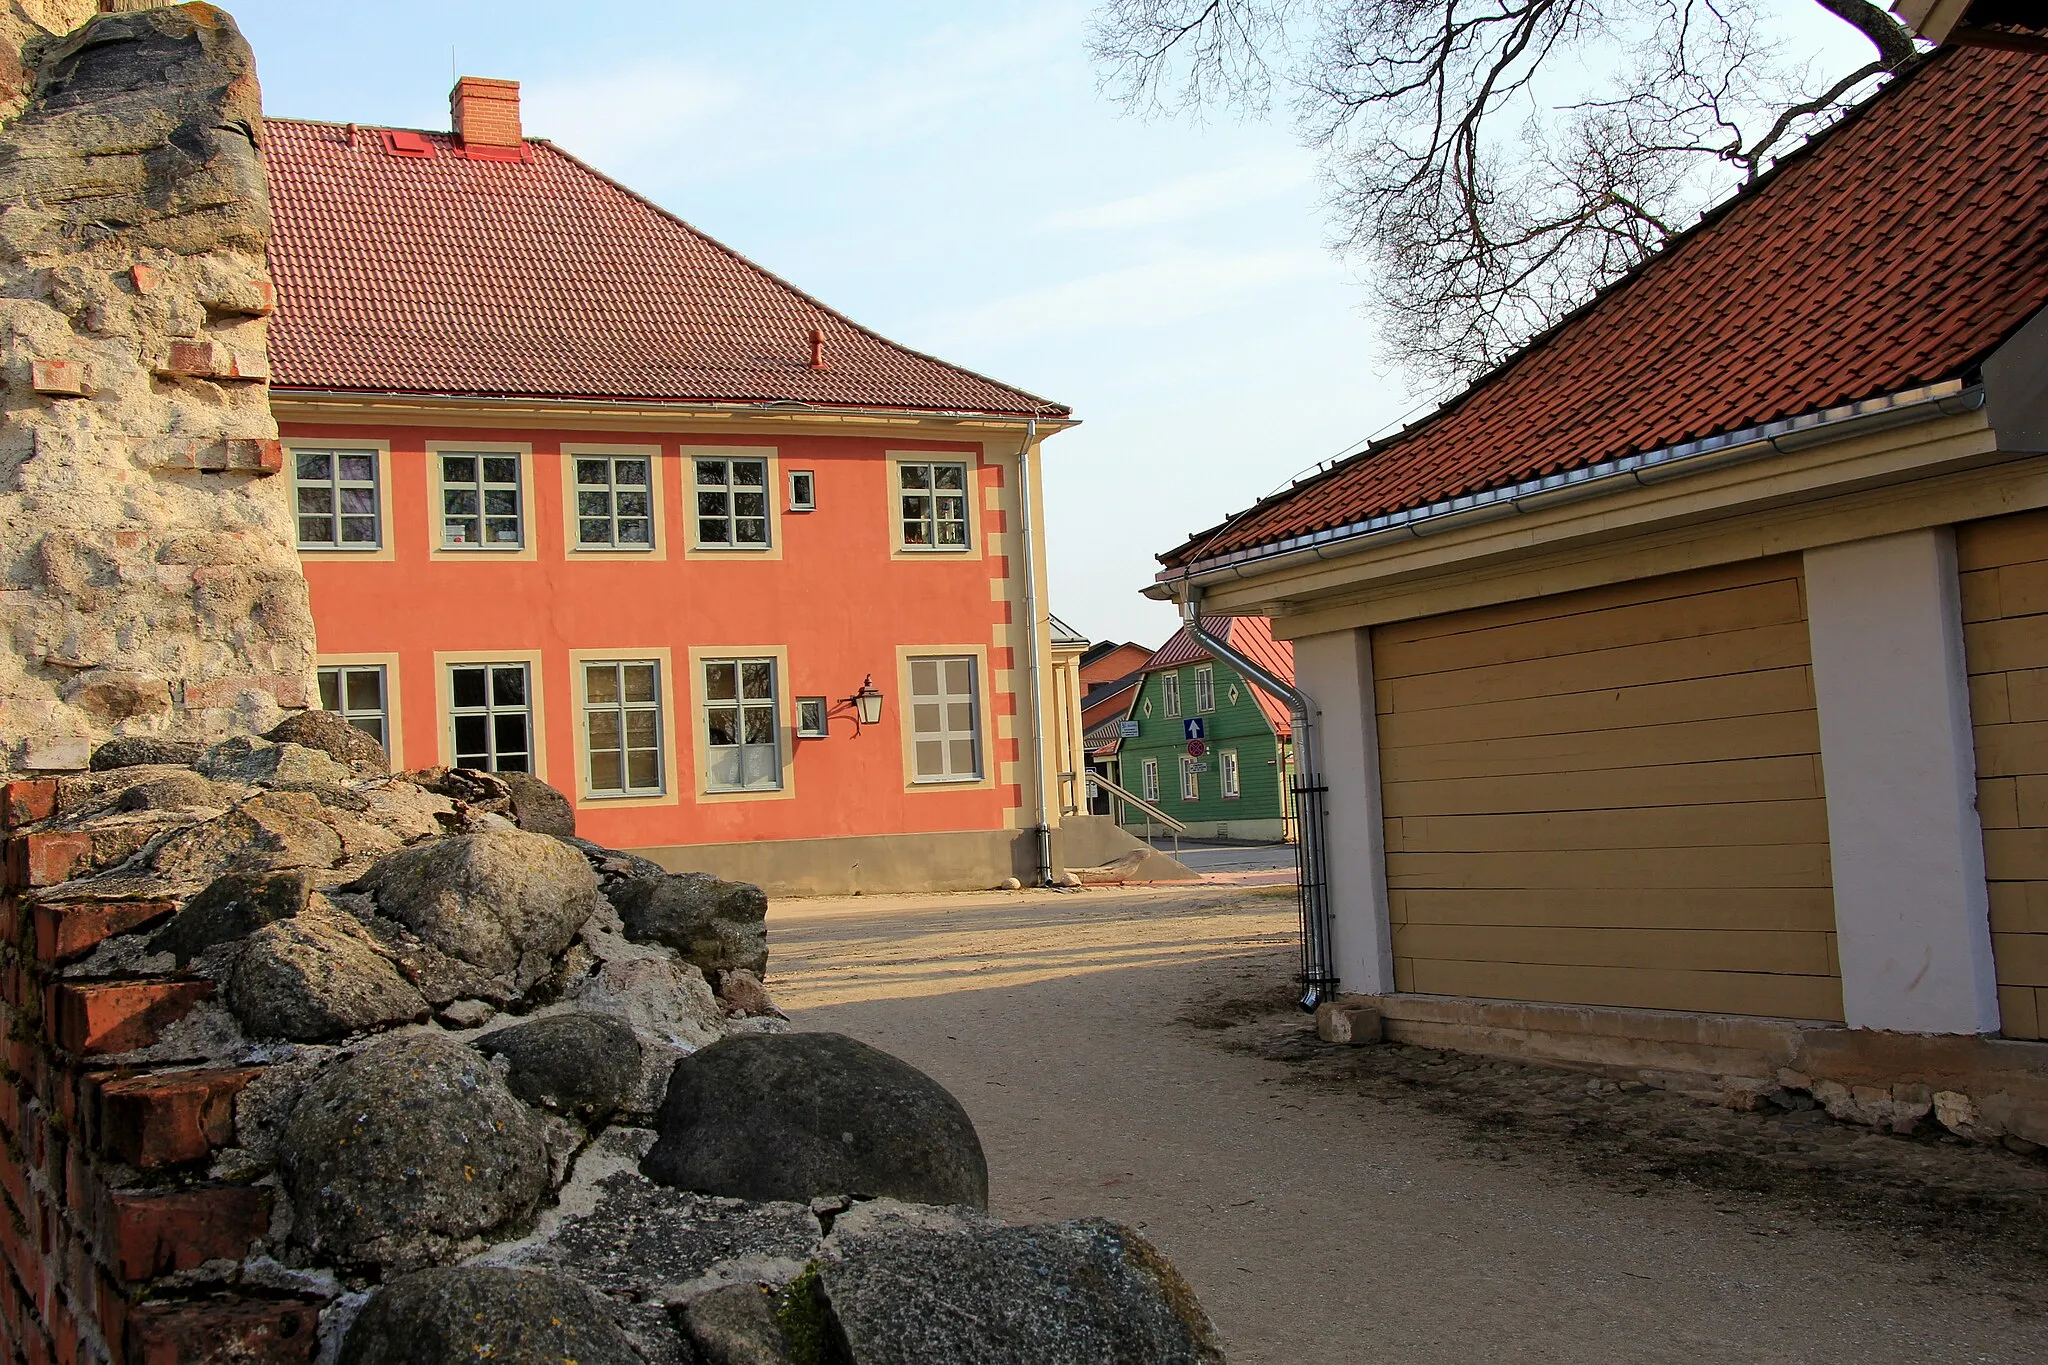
(866, 704)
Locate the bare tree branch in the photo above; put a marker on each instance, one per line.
(1491, 163)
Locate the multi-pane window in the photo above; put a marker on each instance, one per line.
(934, 505)
(480, 499)
(1169, 692)
(491, 713)
(945, 721)
(335, 494)
(732, 502)
(1190, 780)
(1150, 770)
(622, 727)
(1227, 772)
(742, 749)
(356, 694)
(1205, 689)
(614, 502)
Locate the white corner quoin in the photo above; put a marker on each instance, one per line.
(1912, 912)
(1336, 672)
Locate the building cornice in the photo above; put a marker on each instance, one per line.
(413, 409)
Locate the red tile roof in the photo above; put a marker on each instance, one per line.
(1899, 249)
(542, 278)
(1251, 636)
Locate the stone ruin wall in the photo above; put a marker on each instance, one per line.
(148, 580)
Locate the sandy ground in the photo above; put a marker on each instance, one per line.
(1122, 1054)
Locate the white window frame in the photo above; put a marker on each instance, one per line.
(621, 708)
(484, 489)
(730, 493)
(1205, 689)
(611, 491)
(1190, 780)
(491, 710)
(336, 486)
(1227, 775)
(1169, 693)
(741, 705)
(803, 490)
(939, 706)
(813, 718)
(355, 715)
(927, 520)
(1148, 772)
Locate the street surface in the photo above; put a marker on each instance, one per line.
(1099, 1040)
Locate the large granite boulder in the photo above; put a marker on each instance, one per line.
(538, 807)
(800, 1115)
(331, 735)
(233, 907)
(716, 924)
(316, 978)
(136, 751)
(577, 1065)
(407, 1154)
(276, 831)
(504, 900)
(464, 1314)
(911, 1290)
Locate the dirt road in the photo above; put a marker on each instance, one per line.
(1127, 1053)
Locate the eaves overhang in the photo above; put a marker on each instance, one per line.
(311, 404)
(1902, 408)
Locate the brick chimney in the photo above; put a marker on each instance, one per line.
(486, 113)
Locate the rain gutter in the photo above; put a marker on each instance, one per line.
(1949, 398)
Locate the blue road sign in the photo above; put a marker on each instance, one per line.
(1193, 726)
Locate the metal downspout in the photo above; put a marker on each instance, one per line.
(1031, 653)
(1318, 955)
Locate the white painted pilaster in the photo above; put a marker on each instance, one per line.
(1336, 672)
(1912, 913)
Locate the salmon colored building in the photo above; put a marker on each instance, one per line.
(586, 494)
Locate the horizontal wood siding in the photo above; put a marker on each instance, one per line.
(2004, 565)
(1612, 797)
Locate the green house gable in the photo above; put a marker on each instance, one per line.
(1233, 727)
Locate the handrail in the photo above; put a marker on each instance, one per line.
(1097, 779)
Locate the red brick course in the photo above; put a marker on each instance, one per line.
(99, 1018)
(166, 1119)
(66, 932)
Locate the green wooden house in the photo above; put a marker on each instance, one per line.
(1212, 750)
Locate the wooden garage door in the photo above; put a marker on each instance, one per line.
(1612, 797)
(2005, 638)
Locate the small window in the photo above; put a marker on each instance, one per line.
(732, 504)
(614, 502)
(810, 718)
(945, 721)
(743, 751)
(803, 491)
(1150, 770)
(1169, 691)
(335, 495)
(1205, 689)
(622, 727)
(934, 499)
(480, 499)
(491, 713)
(1190, 780)
(1227, 773)
(356, 694)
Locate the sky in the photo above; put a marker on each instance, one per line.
(949, 176)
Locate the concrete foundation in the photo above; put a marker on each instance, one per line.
(1984, 1088)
